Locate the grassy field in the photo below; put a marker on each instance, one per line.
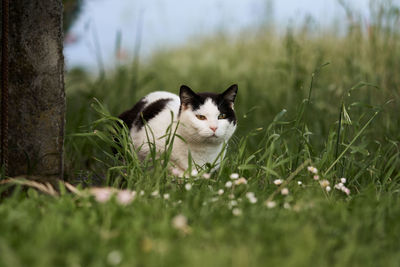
(308, 98)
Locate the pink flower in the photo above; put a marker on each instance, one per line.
(102, 194)
(125, 197)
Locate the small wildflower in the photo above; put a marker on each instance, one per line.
(328, 188)
(286, 205)
(155, 193)
(270, 204)
(316, 177)
(180, 223)
(241, 181)
(253, 200)
(346, 191)
(234, 176)
(114, 257)
(338, 186)
(251, 197)
(343, 180)
(188, 186)
(237, 212)
(141, 193)
(214, 199)
(341, 187)
(228, 184)
(231, 196)
(194, 173)
(166, 196)
(277, 181)
(233, 203)
(312, 169)
(221, 192)
(102, 194)
(125, 197)
(285, 191)
(176, 172)
(299, 182)
(206, 176)
(324, 183)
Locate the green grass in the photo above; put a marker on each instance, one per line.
(294, 110)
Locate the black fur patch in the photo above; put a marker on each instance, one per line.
(223, 101)
(151, 111)
(222, 104)
(132, 115)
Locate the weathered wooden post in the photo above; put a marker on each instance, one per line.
(36, 103)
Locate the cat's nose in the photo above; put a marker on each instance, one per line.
(213, 128)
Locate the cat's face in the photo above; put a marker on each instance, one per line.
(207, 117)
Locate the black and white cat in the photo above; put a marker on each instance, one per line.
(206, 122)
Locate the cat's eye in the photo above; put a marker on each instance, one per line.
(222, 116)
(201, 117)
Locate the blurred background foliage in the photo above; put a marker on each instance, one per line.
(274, 71)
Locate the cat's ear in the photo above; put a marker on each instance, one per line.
(230, 93)
(186, 95)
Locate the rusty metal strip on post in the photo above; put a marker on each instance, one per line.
(4, 86)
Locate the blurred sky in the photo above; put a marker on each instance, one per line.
(167, 23)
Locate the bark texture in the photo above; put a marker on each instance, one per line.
(36, 93)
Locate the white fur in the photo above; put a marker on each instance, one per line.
(204, 145)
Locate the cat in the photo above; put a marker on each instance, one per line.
(206, 123)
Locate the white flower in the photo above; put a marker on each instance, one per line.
(155, 193)
(328, 188)
(234, 176)
(338, 186)
(342, 188)
(324, 183)
(299, 182)
(316, 177)
(176, 172)
(141, 193)
(179, 222)
(312, 169)
(228, 184)
(270, 204)
(206, 176)
(277, 181)
(236, 212)
(166, 196)
(343, 180)
(188, 186)
(194, 172)
(250, 195)
(214, 199)
(232, 203)
(221, 191)
(346, 191)
(102, 194)
(253, 200)
(241, 181)
(286, 205)
(285, 191)
(125, 197)
(231, 196)
(114, 257)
